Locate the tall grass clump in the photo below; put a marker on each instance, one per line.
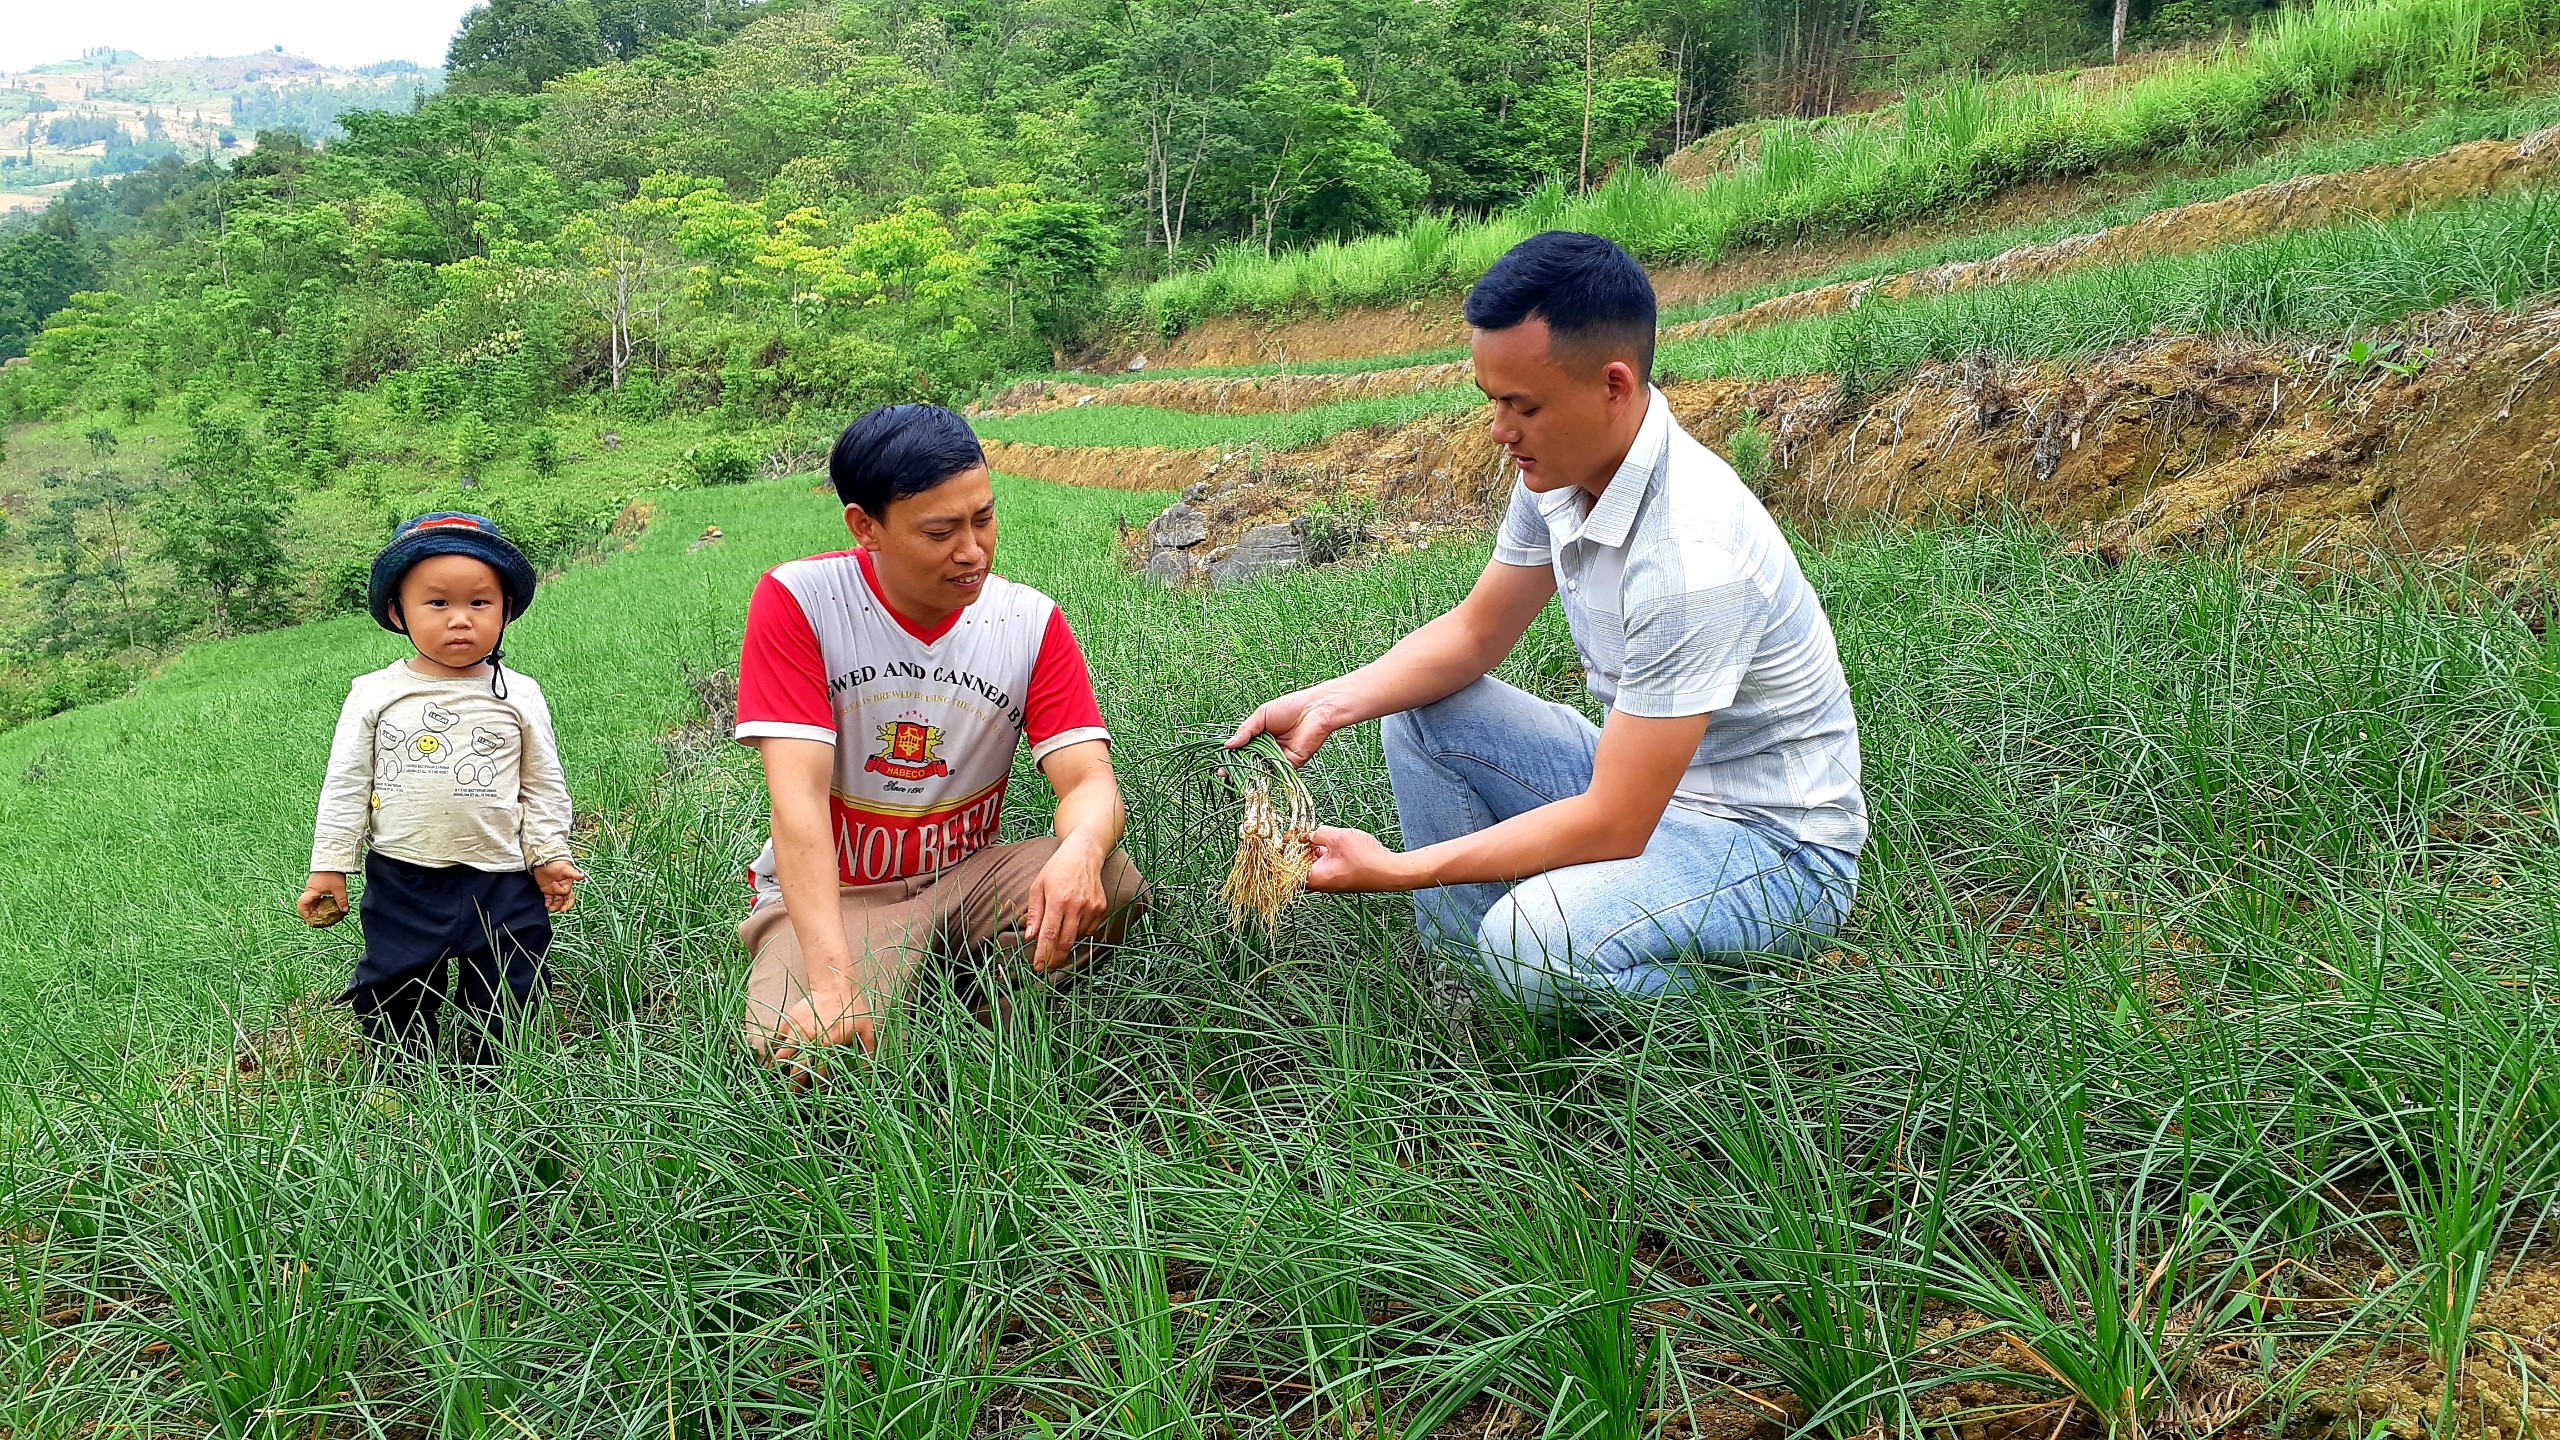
(1963, 142)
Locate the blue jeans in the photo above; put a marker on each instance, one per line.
(1706, 894)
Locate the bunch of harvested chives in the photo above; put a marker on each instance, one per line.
(1272, 853)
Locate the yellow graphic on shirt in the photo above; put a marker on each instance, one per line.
(907, 751)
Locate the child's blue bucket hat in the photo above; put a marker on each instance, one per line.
(448, 533)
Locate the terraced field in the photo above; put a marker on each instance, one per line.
(2355, 356)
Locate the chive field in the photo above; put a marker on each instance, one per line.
(2185, 1062)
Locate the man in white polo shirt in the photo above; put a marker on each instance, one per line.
(888, 688)
(1717, 814)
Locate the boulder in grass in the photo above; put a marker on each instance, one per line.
(1173, 569)
(1179, 528)
(1260, 551)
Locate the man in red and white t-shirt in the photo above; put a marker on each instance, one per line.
(887, 689)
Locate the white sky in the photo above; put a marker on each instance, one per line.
(333, 32)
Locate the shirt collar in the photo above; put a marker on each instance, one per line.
(1614, 515)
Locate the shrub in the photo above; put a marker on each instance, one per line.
(542, 452)
(722, 460)
(551, 529)
(347, 585)
(48, 685)
(1335, 532)
(475, 445)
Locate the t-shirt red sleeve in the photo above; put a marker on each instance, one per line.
(782, 679)
(1061, 709)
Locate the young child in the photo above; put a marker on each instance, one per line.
(445, 769)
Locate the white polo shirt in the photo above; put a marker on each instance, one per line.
(1684, 599)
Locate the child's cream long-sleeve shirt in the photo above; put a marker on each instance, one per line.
(442, 772)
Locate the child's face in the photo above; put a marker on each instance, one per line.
(453, 608)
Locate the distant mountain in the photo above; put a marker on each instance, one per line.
(111, 111)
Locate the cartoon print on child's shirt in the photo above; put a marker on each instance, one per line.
(430, 746)
(390, 743)
(476, 772)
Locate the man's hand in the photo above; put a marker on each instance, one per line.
(559, 881)
(1067, 904)
(1356, 862)
(324, 899)
(830, 1014)
(1301, 721)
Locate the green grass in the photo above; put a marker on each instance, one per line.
(2337, 148)
(1188, 430)
(2189, 884)
(1940, 149)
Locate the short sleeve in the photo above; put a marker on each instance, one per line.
(1523, 539)
(1060, 709)
(1689, 647)
(782, 677)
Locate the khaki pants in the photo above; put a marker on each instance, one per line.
(965, 913)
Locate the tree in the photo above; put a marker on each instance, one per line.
(1051, 255)
(82, 546)
(1319, 157)
(449, 156)
(39, 273)
(621, 256)
(1176, 67)
(517, 46)
(1805, 54)
(221, 529)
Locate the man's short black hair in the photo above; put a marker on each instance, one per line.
(1597, 301)
(900, 450)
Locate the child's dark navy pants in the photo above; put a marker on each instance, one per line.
(439, 932)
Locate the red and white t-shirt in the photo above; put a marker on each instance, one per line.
(925, 722)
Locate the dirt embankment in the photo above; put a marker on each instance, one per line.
(2167, 443)
(1419, 479)
(1228, 395)
(2307, 202)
